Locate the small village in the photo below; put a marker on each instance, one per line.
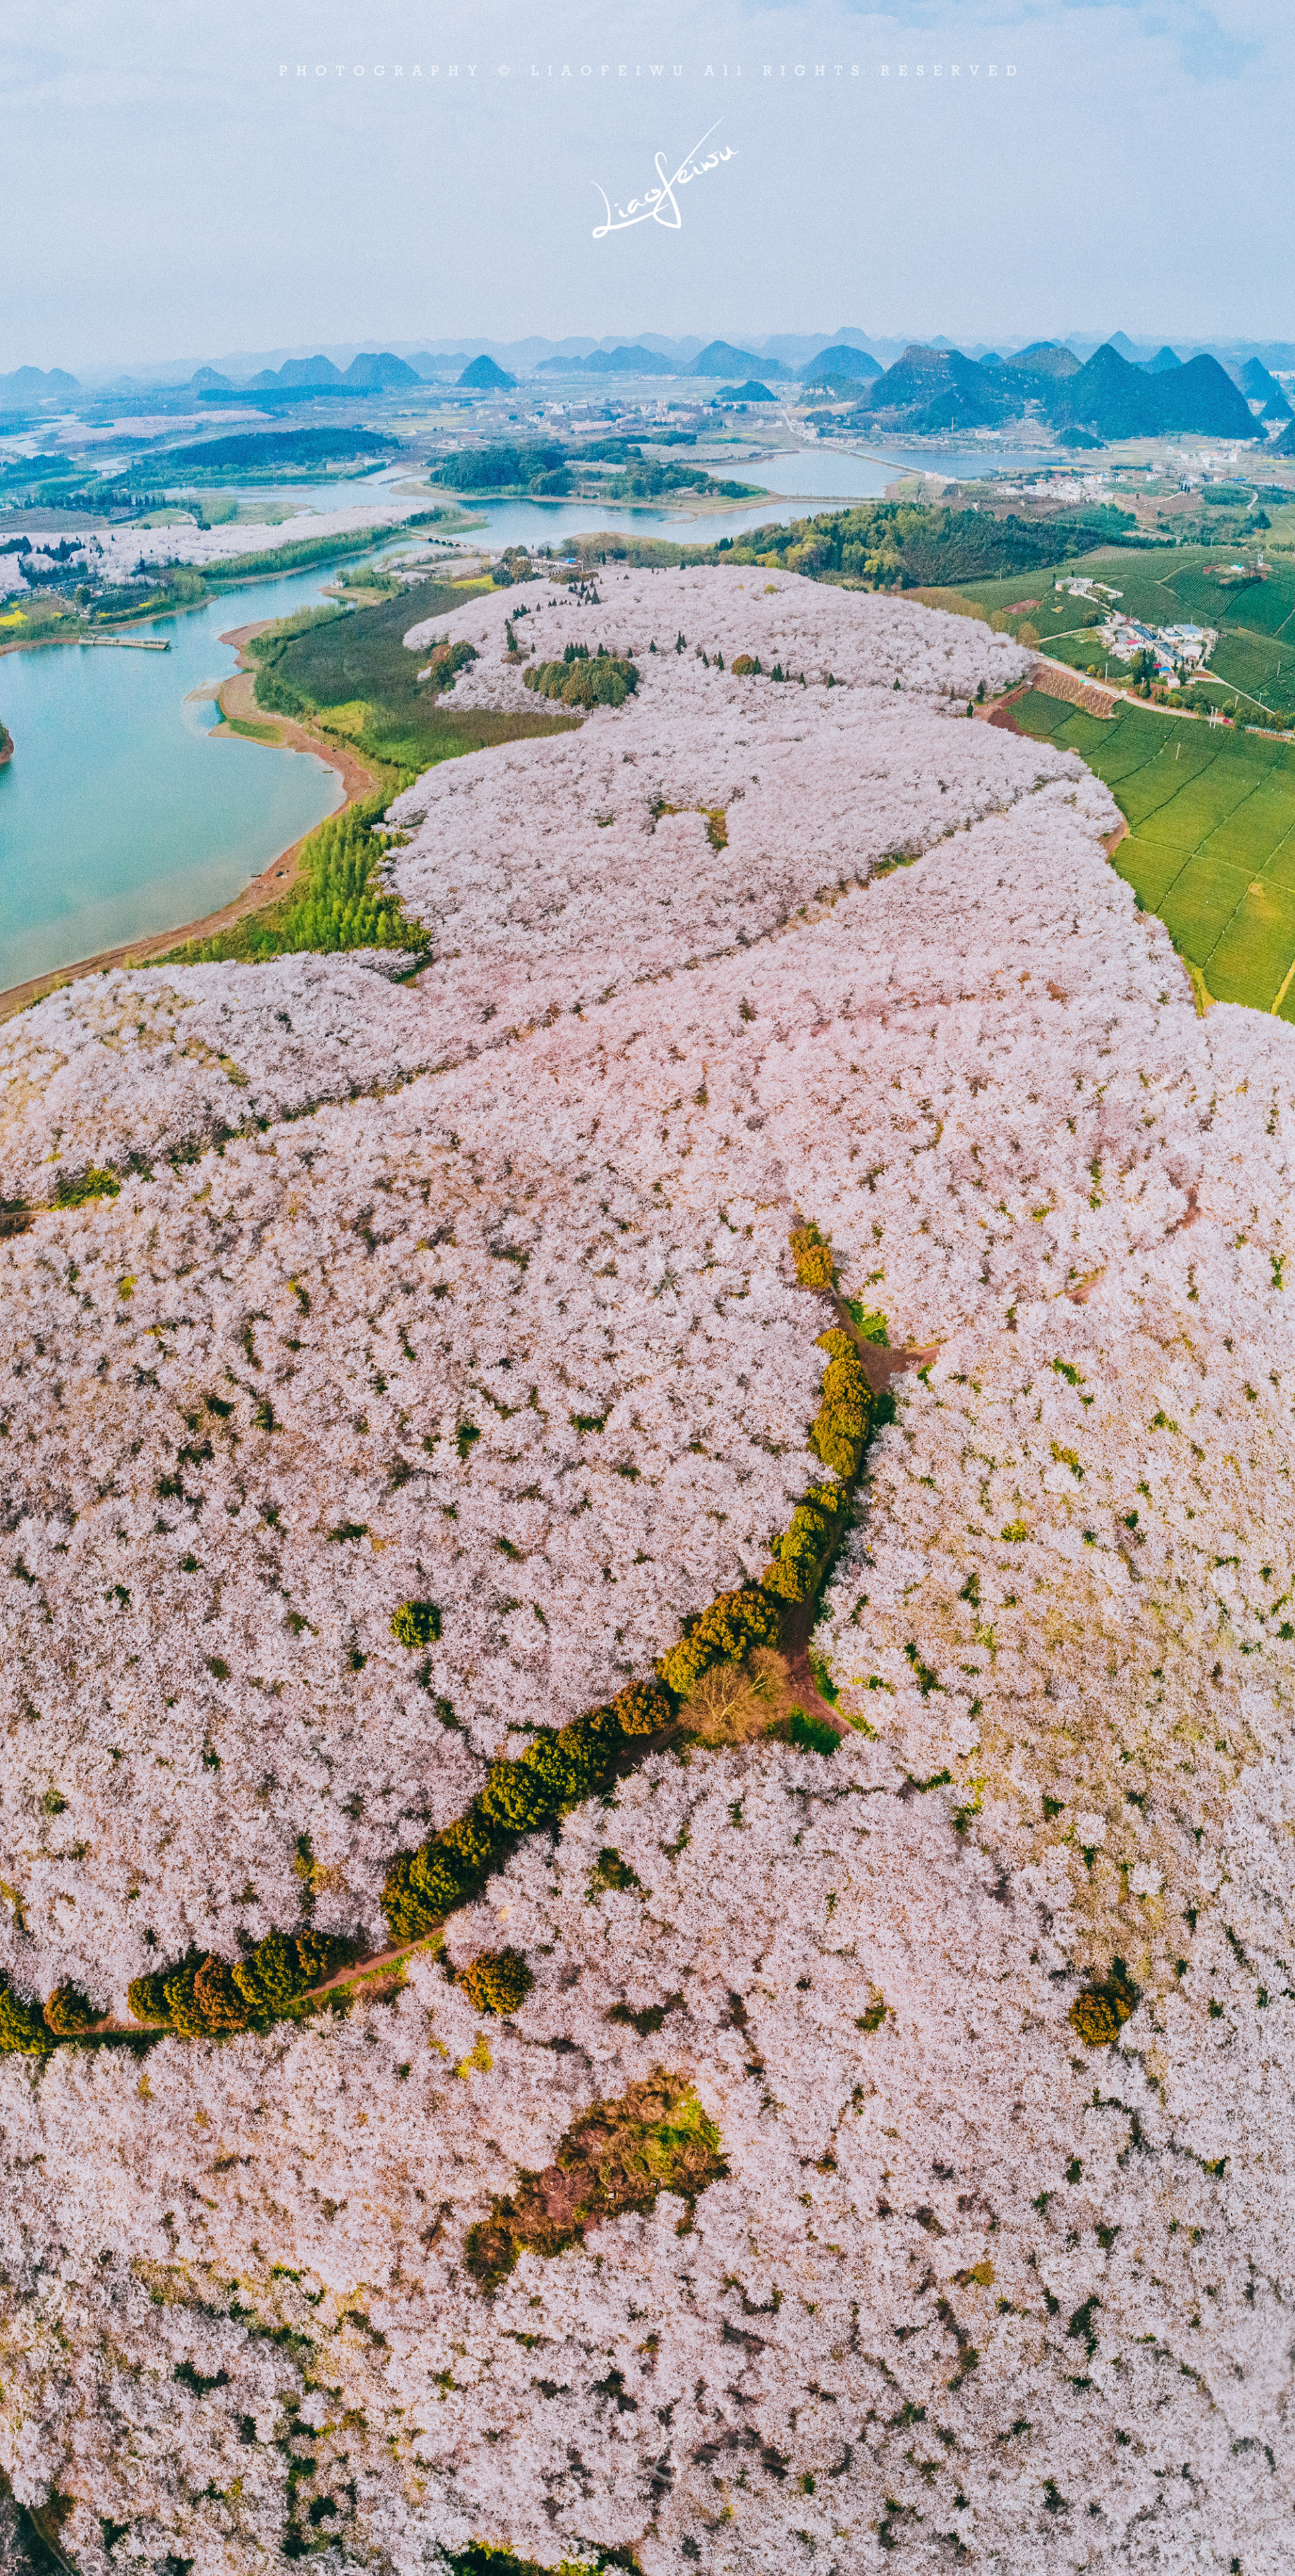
(1179, 650)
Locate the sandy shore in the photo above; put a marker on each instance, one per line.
(234, 698)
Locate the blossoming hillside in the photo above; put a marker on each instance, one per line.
(648, 1663)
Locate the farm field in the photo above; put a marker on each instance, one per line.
(1169, 586)
(1211, 845)
(354, 675)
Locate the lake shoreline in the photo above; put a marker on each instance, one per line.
(119, 630)
(269, 886)
(277, 875)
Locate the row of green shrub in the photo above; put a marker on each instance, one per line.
(204, 1993)
(556, 1773)
(336, 903)
(838, 1436)
(198, 1995)
(559, 1771)
(304, 551)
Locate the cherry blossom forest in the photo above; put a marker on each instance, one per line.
(512, 2043)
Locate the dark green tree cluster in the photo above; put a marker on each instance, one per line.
(556, 1773)
(497, 1981)
(812, 1255)
(805, 1547)
(584, 679)
(480, 2560)
(258, 449)
(1100, 2012)
(725, 1633)
(22, 2025)
(203, 1993)
(844, 1417)
(416, 1623)
(502, 466)
(69, 2012)
(897, 545)
(645, 478)
(514, 565)
(543, 467)
(446, 662)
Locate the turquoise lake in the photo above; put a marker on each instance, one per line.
(119, 817)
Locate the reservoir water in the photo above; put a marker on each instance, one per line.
(119, 817)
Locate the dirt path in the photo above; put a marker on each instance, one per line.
(234, 698)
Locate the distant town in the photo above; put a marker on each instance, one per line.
(1172, 436)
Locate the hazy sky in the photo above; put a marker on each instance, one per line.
(173, 193)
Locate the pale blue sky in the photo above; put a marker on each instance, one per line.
(172, 195)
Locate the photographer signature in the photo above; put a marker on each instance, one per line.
(660, 205)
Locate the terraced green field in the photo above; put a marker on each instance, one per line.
(1211, 845)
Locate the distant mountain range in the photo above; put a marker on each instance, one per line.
(1118, 387)
(1255, 381)
(371, 372)
(29, 384)
(938, 389)
(841, 362)
(720, 358)
(621, 361)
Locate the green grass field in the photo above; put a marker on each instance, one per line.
(1211, 845)
(358, 664)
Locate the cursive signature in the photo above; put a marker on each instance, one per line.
(660, 205)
